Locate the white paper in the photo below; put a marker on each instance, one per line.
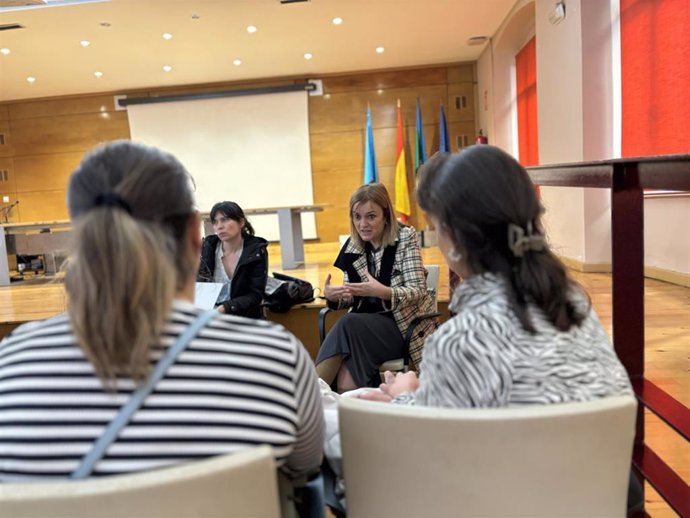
(206, 294)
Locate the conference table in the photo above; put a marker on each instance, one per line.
(32, 238)
(49, 237)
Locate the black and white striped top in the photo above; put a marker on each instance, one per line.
(239, 383)
(482, 357)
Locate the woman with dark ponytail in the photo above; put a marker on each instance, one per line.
(237, 258)
(524, 332)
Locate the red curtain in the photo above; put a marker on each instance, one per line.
(655, 76)
(526, 83)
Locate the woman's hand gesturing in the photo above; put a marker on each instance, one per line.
(335, 293)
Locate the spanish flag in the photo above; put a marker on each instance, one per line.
(402, 195)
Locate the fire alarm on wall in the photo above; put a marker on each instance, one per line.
(558, 14)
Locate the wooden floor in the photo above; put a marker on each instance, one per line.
(667, 319)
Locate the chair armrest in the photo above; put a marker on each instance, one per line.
(410, 331)
(322, 323)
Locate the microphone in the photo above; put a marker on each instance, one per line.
(7, 209)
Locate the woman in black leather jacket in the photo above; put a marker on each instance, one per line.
(237, 258)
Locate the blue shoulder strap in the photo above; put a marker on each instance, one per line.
(138, 396)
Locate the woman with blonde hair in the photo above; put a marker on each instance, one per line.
(384, 287)
(235, 383)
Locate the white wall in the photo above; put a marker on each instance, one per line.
(578, 102)
(666, 233)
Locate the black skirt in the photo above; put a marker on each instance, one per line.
(365, 341)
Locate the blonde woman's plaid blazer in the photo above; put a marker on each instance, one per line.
(409, 296)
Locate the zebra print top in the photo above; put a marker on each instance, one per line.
(239, 383)
(483, 357)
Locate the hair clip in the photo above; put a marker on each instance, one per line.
(521, 240)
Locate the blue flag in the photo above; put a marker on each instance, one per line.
(444, 139)
(420, 145)
(371, 173)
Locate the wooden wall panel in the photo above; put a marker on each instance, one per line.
(67, 133)
(460, 102)
(411, 78)
(347, 111)
(8, 188)
(49, 137)
(43, 205)
(61, 106)
(45, 172)
(464, 73)
(461, 134)
(6, 148)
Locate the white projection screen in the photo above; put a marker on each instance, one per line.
(250, 149)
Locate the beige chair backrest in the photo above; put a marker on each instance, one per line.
(241, 484)
(534, 461)
(432, 275)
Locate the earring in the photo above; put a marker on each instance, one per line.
(454, 255)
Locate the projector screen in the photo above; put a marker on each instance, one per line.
(253, 150)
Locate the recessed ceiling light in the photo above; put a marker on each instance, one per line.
(308, 55)
(98, 74)
(251, 29)
(337, 20)
(380, 50)
(31, 79)
(84, 43)
(167, 68)
(4, 51)
(237, 62)
(167, 36)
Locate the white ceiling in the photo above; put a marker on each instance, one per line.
(131, 52)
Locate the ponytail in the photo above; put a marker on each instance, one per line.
(541, 278)
(121, 282)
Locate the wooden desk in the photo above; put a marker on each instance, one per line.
(289, 230)
(30, 238)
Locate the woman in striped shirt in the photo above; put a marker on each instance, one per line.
(130, 282)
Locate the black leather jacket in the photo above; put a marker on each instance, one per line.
(249, 281)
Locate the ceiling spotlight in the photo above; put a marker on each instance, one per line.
(4, 51)
(84, 43)
(31, 79)
(237, 62)
(380, 50)
(167, 68)
(251, 29)
(308, 55)
(98, 74)
(167, 36)
(337, 20)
